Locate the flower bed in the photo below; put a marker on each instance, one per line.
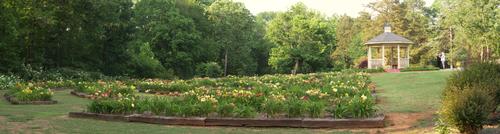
(59, 85)
(101, 89)
(337, 95)
(29, 94)
(331, 96)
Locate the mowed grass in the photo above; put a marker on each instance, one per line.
(53, 119)
(410, 91)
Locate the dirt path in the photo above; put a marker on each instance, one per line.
(402, 123)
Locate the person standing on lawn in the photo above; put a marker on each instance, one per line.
(443, 60)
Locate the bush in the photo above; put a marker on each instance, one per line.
(486, 75)
(8, 81)
(361, 62)
(372, 70)
(59, 74)
(73, 74)
(467, 109)
(210, 69)
(419, 68)
(469, 96)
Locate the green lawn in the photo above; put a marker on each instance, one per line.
(410, 91)
(401, 92)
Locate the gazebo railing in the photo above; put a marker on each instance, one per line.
(404, 62)
(377, 63)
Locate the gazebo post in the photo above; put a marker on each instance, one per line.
(399, 64)
(369, 57)
(383, 56)
(408, 56)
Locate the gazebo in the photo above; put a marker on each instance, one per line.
(388, 50)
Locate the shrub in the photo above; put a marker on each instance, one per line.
(59, 74)
(211, 69)
(361, 62)
(469, 96)
(8, 81)
(74, 74)
(485, 75)
(366, 70)
(466, 109)
(419, 68)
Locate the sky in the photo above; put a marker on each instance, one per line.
(326, 7)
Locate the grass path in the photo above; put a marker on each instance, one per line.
(410, 99)
(404, 93)
(410, 92)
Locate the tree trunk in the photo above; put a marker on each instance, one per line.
(296, 67)
(451, 48)
(225, 63)
(487, 56)
(481, 54)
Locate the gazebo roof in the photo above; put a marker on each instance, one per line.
(388, 38)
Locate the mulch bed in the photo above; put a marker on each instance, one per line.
(376, 122)
(81, 95)
(164, 93)
(14, 101)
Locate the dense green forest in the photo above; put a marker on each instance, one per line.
(188, 38)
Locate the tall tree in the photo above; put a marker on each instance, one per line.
(116, 29)
(469, 28)
(173, 37)
(233, 31)
(303, 38)
(344, 33)
(10, 58)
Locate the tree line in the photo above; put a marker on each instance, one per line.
(187, 38)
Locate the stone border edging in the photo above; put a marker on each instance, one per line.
(12, 100)
(106, 117)
(376, 122)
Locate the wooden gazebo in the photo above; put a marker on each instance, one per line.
(388, 50)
